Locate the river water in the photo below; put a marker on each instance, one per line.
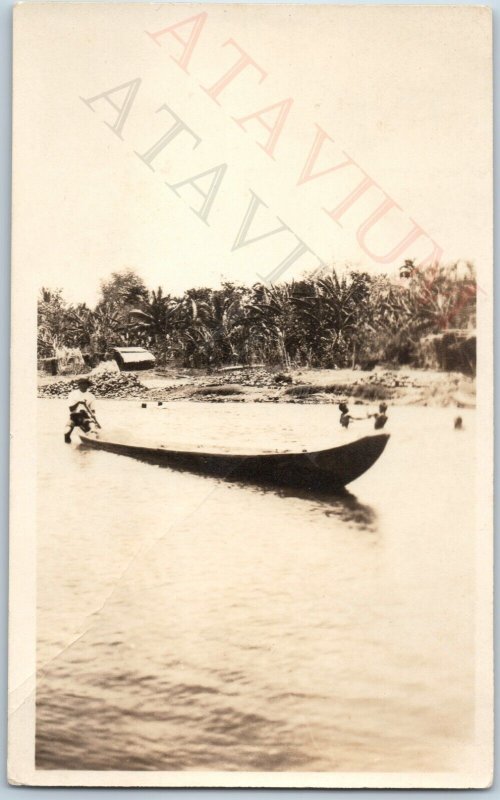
(187, 623)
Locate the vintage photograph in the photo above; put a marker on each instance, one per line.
(252, 396)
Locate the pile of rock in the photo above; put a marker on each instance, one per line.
(105, 384)
(250, 376)
(391, 379)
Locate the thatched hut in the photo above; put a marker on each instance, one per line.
(452, 350)
(132, 358)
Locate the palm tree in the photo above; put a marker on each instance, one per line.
(271, 322)
(152, 321)
(330, 319)
(51, 313)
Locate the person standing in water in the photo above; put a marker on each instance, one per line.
(345, 417)
(380, 416)
(81, 409)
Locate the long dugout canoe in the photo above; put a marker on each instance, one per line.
(330, 468)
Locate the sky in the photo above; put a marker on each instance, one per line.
(357, 135)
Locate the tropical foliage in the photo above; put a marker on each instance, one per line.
(325, 320)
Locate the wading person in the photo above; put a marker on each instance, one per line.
(345, 417)
(380, 416)
(81, 409)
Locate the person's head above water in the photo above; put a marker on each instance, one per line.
(382, 408)
(343, 408)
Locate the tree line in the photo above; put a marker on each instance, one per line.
(328, 319)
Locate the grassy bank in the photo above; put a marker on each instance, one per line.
(264, 385)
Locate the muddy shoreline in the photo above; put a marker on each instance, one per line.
(265, 385)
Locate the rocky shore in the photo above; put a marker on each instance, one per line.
(264, 385)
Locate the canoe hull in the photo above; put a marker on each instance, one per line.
(331, 468)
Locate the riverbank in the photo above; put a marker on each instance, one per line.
(265, 385)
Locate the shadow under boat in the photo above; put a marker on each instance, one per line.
(319, 471)
(338, 503)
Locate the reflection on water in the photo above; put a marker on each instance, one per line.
(349, 509)
(187, 622)
(341, 504)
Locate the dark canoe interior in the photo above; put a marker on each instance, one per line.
(333, 468)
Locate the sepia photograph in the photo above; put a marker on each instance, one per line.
(252, 380)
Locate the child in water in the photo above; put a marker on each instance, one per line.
(345, 417)
(380, 417)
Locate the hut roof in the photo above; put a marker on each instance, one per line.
(134, 355)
